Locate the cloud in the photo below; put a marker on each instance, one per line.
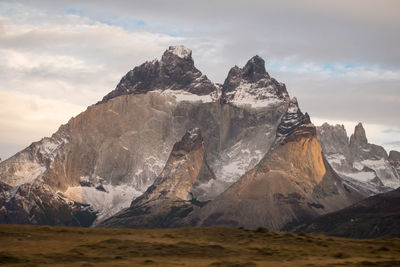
(25, 118)
(342, 64)
(78, 62)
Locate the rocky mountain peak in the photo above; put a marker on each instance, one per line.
(178, 58)
(190, 141)
(359, 136)
(394, 159)
(173, 190)
(185, 167)
(252, 86)
(394, 155)
(363, 165)
(255, 69)
(176, 71)
(178, 51)
(292, 119)
(333, 139)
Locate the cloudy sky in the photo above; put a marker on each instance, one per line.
(340, 58)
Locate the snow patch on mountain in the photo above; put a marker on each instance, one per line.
(336, 159)
(237, 160)
(250, 94)
(358, 162)
(27, 173)
(108, 201)
(180, 51)
(181, 95)
(48, 147)
(360, 176)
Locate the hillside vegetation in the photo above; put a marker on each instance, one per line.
(22, 245)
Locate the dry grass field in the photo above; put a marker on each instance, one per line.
(22, 245)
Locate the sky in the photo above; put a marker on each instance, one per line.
(340, 58)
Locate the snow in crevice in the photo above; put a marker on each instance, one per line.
(231, 165)
(250, 94)
(359, 176)
(181, 95)
(26, 173)
(108, 202)
(180, 51)
(336, 159)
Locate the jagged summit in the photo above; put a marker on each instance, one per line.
(175, 71)
(359, 136)
(255, 69)
(125, 149)
(178, 56)
(252, 86)
(180, 172)
(179, 51)
(190, 141)
(172, 191)
(363, 165)
(394, 159)
(291, 184)
(292, 119)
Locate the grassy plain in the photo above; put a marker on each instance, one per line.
(22, 245)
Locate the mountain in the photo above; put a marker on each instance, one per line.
(365, 166)
(394, 159)
(39, 204)
(170, 148)
(292, 183)
(175, 72)
(112, 152)
(171, 196)
(375, 216)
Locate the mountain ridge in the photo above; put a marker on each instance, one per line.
(364, 165)
(170, 148)
(110, 153)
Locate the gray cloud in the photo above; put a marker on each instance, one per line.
(396, 143)
(306, 30)
(76, 51)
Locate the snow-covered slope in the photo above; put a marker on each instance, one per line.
(366, 166)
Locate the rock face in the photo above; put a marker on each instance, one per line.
(394, 159)
(170, 198)
(251, 154)
(38, 204)
(112, 152)
(252, 86)
(365, 166)
(292, 183)
(375, 216)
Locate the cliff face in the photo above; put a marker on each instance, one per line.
(39, 204)
(394, 159)
(247, 150)
(171, 196)
(363, 165)
(175, 71)
(293, 183)
(112, 152)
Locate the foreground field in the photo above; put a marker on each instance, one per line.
(62, 246)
